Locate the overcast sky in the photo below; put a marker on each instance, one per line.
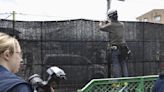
(75, 9)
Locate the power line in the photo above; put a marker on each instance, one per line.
(4, 13)
(8, 16)
(24, 14)
(34, 15)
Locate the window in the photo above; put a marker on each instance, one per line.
(145, 19)
(157, 19)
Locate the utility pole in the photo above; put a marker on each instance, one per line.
(109, 4)
(13, 21)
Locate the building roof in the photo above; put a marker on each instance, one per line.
(150, 12)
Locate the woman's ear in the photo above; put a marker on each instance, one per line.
(6, 55)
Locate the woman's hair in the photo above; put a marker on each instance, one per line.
(7, 42)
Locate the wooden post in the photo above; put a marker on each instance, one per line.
(13, 22)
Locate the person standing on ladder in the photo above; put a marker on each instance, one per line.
(117, 51)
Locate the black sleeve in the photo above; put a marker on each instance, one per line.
(21, 88)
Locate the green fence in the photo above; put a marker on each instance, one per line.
(124, 84)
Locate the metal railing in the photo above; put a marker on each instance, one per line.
(123, 84)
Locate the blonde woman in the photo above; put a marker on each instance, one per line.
(10, 59)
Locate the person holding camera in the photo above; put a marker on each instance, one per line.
(10, 60)
(117, 50)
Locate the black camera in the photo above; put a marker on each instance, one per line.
(55, 75)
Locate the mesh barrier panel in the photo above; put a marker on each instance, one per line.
(81, 40)
(126, 84)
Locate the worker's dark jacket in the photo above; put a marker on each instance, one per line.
(159, 84)
(10, 82)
